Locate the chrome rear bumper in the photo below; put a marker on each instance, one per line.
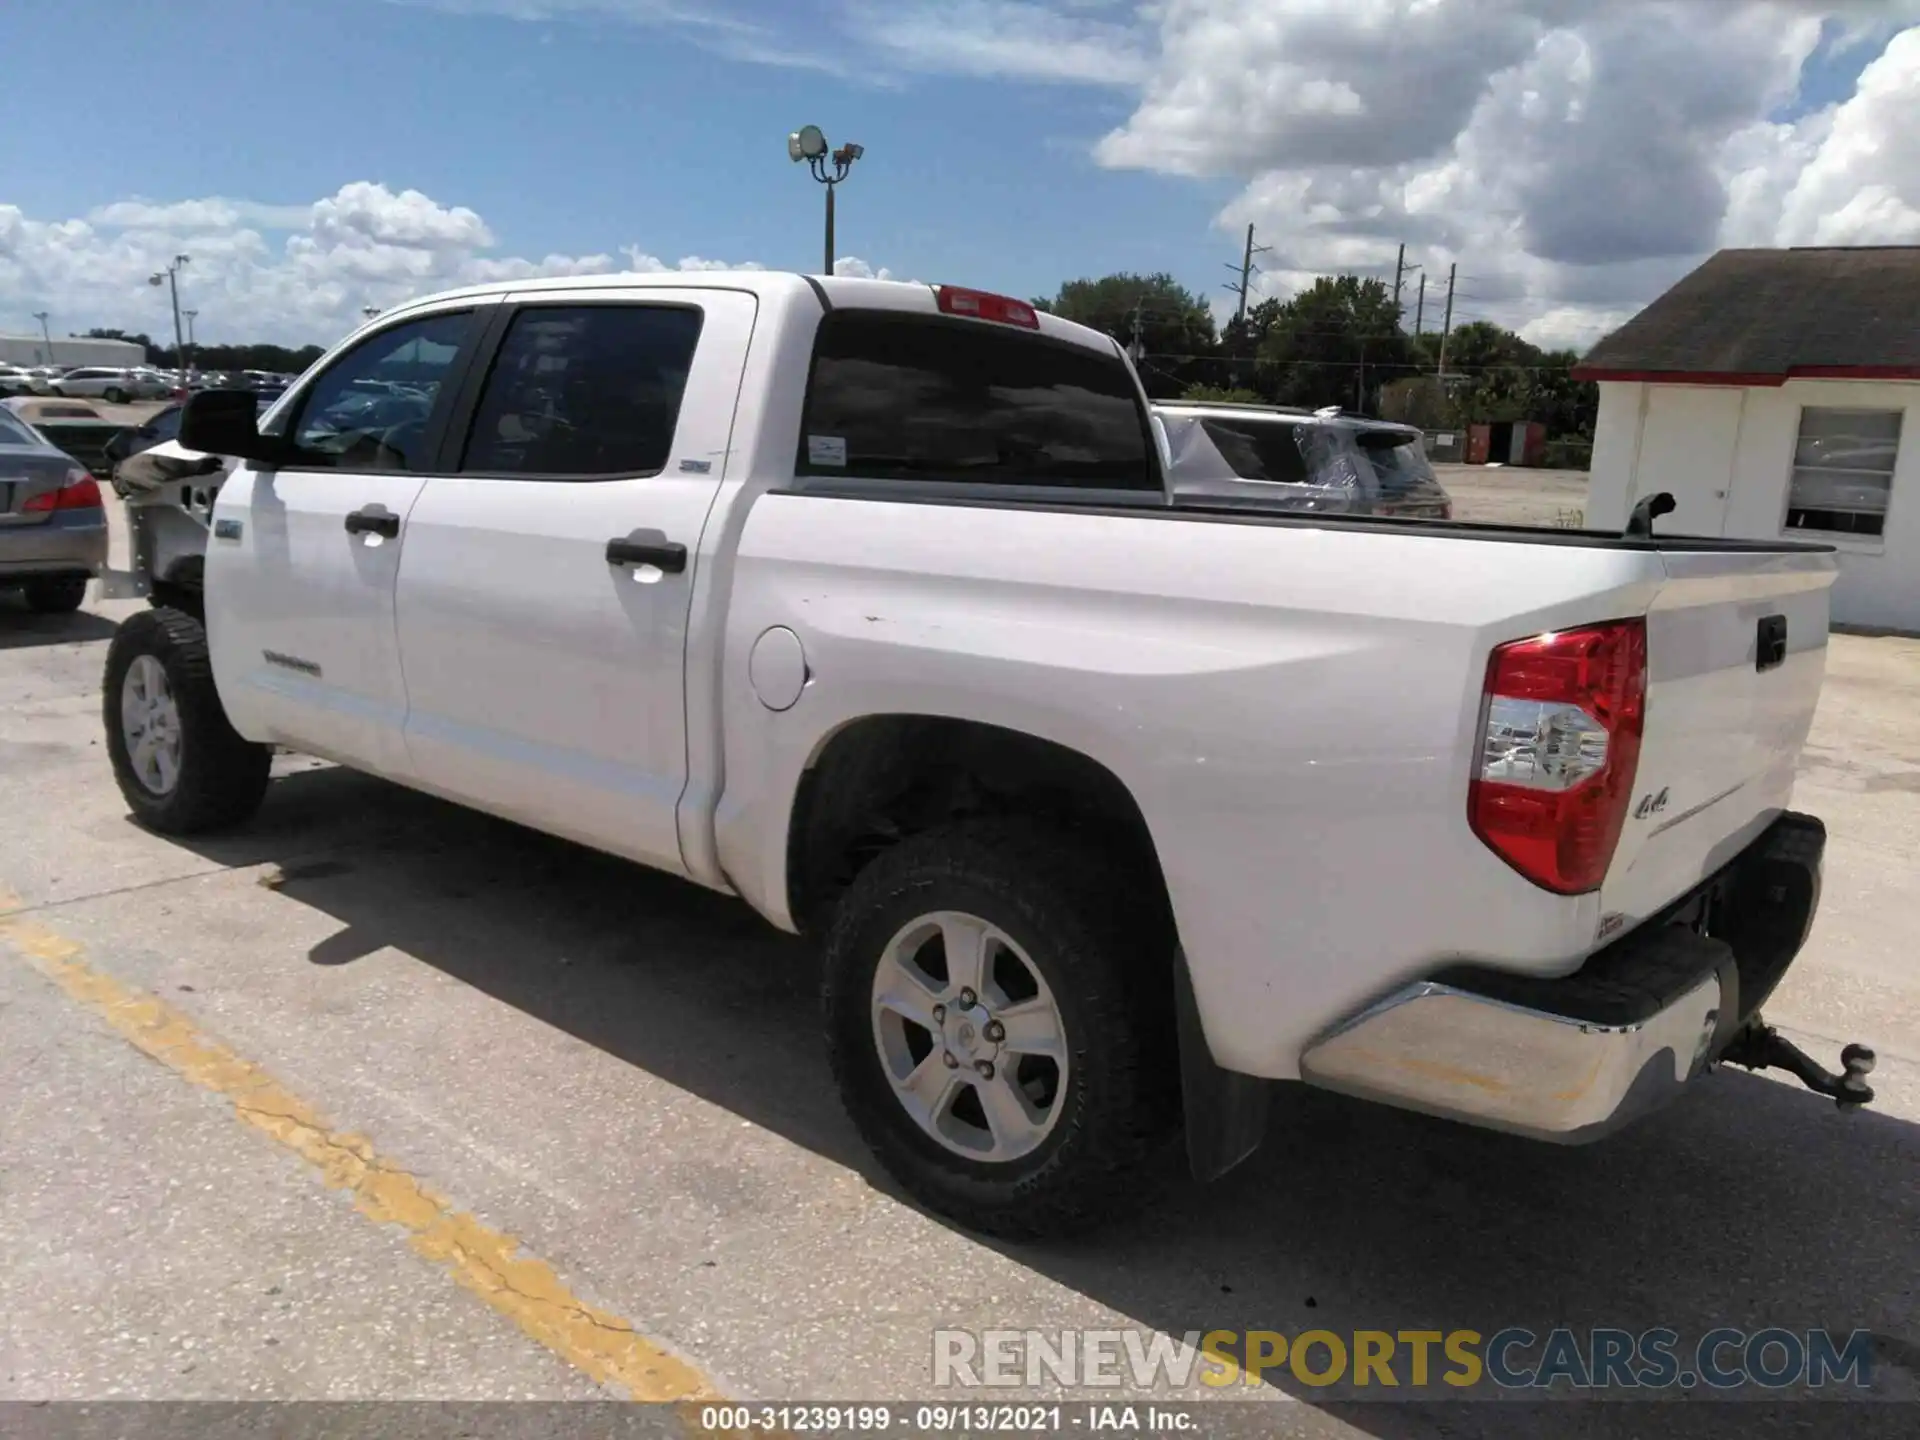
(1449, 1052)
(1569, 1060)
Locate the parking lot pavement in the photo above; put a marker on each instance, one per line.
(1515, 495)
(623, 1075)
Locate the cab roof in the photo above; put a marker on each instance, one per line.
(776, 286)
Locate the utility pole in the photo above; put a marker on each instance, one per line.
(45, 333)
(1400, 272)
(172, 277)
(1420, 305)
(1246, 268)
(1446, 330)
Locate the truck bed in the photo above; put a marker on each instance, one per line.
(1296, 704)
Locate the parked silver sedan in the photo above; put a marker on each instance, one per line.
(53, 526)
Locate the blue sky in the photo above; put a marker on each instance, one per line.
(589, 133)
(1573, 157)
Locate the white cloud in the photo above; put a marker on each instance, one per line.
(707, 26)
(1014, 39)
(216, 212)
(250, 279)
(858, 269)
(1860, 184)
(1572, 157)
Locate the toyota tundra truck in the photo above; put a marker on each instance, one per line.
(867, 603)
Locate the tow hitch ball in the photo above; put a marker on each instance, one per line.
(1761, 1047)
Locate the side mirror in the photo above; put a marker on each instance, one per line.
(150, 470)
(226, 422)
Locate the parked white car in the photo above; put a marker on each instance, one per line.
(865, 602)
(112, 385)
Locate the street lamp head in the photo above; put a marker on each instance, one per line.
(850, 152)
(806, 143)
(156, 277)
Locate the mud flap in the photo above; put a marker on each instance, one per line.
(1225, 1111)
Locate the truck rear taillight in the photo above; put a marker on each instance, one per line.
(1560, 730)
(979, 305)
(81, 492)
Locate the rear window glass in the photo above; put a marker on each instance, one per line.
(12, 432)
(1399, 459)
(1259, 451)
(920, 398)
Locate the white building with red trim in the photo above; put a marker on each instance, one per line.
(1776, 393)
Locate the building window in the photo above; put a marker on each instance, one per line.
(1843, 470)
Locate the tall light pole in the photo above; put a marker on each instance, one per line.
(829, 168)
(186, 365)
(172, 276)
(45, 333)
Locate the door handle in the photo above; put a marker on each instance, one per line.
(663, 554)
(373, 522)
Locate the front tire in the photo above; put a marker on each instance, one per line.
(57, 595)
(179, 763)
(1016, 952)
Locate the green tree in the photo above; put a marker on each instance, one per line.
(1478, 345)
(1217, 395)
(1335, 343)
(1175, 327)
(279, 359)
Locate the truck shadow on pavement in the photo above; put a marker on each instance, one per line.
(21, 628)
(1748, 1204)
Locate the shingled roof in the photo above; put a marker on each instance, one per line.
(1762, 317)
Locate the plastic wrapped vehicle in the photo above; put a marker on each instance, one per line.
(1268, 458)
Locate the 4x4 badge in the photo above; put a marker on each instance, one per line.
(1651, 804)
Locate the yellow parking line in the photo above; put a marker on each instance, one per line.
(521, 1287)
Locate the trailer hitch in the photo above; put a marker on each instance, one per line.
(1761, 1047)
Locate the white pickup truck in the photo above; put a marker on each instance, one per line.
(865, 602)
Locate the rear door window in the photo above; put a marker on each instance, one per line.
(925, 398)
(585, 391)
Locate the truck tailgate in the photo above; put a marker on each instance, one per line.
(1736, 649)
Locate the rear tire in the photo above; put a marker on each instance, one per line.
(1063, 914)
(56, 595)
(115, 396)
(179, 763)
